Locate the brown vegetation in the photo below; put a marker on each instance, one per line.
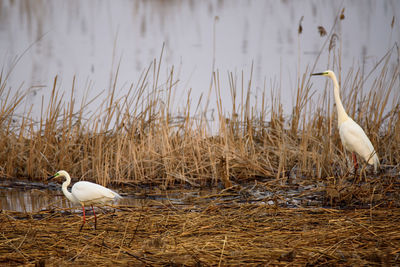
(214, 235)
(139, 139)
(135, 139)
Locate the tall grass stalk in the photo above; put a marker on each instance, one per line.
(137, 139)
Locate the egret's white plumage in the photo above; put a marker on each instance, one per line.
(86, 193)
(352, 135)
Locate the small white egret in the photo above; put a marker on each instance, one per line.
(86, 193)
(352, 135)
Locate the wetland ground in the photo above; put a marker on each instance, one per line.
(240, 225)
(209, 235)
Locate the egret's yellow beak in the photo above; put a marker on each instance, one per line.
(319, 73)
(51, 177)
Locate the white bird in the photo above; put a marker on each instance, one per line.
(352, 135)
(86, 193)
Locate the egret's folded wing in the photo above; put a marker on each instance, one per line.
(91, 192)
(355, 139)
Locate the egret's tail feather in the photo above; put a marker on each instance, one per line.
(374, 160)
(376, 164)
(117, 196)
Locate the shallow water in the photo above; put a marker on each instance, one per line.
(86, 40)
(30, 200)
(26, 196)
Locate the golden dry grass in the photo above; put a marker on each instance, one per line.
(213, 235)
(139, 137)
(136, 139)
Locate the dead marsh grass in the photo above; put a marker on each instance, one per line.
(135, 139)
(139, 139)
(223, 235)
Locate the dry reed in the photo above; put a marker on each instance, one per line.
(216, 234)
(135, 138)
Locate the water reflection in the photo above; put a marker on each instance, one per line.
(33, 197)
(31, 200)
(87, 39)
(22, 197)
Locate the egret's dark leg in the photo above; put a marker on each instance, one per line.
(95, 219)
(84, 218)
(355, 163)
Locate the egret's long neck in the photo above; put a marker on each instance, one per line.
(342, 115)
(65, 186)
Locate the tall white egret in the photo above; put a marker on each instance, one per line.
(86, 193)
(352, 135)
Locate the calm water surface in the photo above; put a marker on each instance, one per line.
(32, 197)
(90, 39)
(26, 196)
